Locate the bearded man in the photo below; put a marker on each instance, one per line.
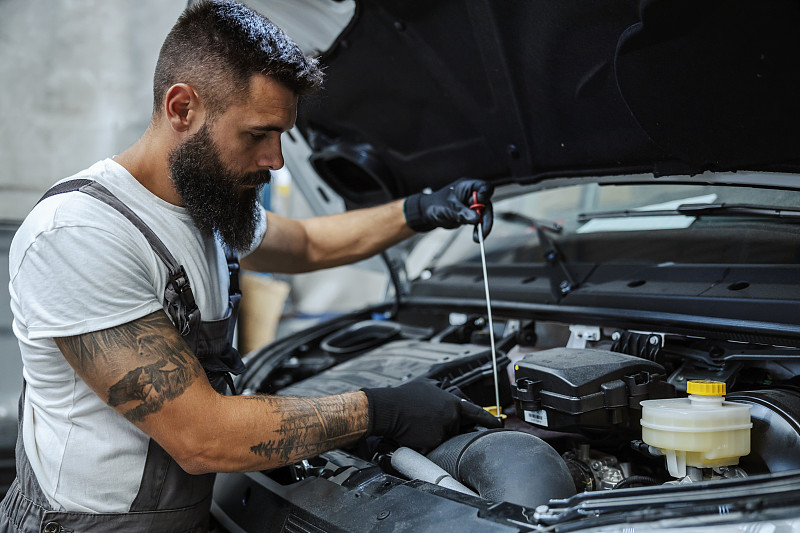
(124, 301)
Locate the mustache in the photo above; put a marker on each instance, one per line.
(255, 179)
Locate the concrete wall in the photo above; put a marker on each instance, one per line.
(76, 87)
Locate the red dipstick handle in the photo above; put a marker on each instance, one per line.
(477, 206)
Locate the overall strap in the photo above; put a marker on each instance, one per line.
(179, 301)
(232, 358)
(233, 271)
(94, 189)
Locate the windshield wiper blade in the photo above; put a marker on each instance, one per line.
(699, 210)
(723, 209)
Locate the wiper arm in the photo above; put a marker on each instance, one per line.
(519, 218)
(562, 282)
(697, 210)
(514, 218)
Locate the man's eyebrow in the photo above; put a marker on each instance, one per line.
(267, 128)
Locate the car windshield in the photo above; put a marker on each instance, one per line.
(640, 224)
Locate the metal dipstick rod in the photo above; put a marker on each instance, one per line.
(479, 208)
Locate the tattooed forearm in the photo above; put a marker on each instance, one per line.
(156, 362)
(310, 426)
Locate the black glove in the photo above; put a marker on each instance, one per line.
(449, 207)
(421, 416)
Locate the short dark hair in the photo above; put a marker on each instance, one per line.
(216, 46)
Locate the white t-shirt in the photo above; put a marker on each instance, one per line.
(77, 265)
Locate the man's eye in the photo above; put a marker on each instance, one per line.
(257, 136)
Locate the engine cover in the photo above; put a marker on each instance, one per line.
(568, 387)
(466, 366)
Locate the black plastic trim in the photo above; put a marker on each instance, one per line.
(623, 318)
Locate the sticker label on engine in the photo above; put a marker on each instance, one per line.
(536, 417)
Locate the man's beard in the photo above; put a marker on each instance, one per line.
(216, 198)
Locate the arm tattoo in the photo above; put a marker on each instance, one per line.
(310, 426)
(167, 367)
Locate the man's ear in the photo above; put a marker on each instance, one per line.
(182, 107)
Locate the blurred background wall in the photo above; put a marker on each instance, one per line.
(76, 87)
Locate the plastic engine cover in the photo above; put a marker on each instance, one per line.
(568, 387)
(467, 366)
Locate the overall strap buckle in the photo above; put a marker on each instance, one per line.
(180, 304)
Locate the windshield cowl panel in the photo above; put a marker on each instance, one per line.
(733, 269)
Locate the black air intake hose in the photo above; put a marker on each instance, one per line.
(503, 465)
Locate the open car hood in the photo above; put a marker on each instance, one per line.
(419, 93)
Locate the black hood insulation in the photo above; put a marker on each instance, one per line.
(422, 92)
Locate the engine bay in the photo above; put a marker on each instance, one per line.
(572, 400)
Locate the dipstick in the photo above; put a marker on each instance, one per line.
(479, 208)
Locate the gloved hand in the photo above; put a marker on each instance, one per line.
(449, 207)
(421, 416)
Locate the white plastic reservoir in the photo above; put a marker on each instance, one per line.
(702, 430)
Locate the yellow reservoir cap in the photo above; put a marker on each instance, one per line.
(705, 387)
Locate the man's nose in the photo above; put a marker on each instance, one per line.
(271, 157)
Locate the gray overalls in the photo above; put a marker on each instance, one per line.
(169, 500)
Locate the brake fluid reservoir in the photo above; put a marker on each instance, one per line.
(702, 430)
